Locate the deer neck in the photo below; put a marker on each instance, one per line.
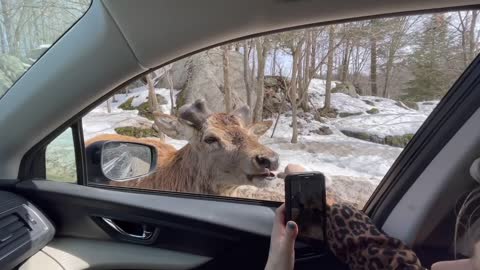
(185, 171)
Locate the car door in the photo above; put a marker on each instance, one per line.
(103, 222)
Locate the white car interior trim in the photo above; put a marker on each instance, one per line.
(438, 188)
(81, 254)
(90, 59)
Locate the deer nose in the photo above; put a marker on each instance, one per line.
(267, 162)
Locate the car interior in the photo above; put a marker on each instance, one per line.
(53, 225)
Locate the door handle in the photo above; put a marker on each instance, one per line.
(146, 234)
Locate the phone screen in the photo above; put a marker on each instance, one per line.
(306, 205)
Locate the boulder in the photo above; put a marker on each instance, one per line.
(11, 68)
(345, 88)
(200, 76)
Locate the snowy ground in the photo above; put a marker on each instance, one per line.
(346, 161)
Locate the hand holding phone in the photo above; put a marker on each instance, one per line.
(305, 202)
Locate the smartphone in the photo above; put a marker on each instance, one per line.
(305, 203)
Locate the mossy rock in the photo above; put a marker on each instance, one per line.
(127, 105)
(397, 141)
(136, 132)
(331, 113)
(373, 111)
(347, 114)
(144, 108)
(411, 104)
(368, 102)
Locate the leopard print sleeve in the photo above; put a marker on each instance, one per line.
(355, 240)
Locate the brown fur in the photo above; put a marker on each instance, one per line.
(195, 168)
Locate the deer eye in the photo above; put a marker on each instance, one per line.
(210, 139)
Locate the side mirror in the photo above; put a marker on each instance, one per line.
(119, 161)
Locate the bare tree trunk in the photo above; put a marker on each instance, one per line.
(248, 89)
(373, 59)
(293, 94)
(7, 24)
(472, 43)
(306, 70)
(274, 61)
(328, 83)
(109, 105)
(313, 56)
(226, 80)
(152, 97)
(172, 99)
(261, 48)
(345, 61)
(388, 70)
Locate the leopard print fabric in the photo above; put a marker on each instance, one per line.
(355, 240)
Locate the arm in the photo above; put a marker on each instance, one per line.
(355, 240)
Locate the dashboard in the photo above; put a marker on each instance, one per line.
(24, 230)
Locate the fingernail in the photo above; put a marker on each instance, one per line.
(291, 225)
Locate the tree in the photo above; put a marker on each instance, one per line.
(397, 29)
(261, 47)
(430, 62)
(226, 79)
(328, 82)
(373, 56)
(246, 75)
(152, 96)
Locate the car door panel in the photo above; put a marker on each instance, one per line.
(232, 234)
(78, 254)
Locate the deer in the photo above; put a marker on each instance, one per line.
(223, 155)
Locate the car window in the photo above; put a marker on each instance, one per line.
(28, 29)
(60, 158)
(342, 99)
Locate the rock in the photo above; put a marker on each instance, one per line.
(11, 68)
(351, 190)
(373, 111)
(397, 141)
(136, 132)
(144, 108)
(406, 104)
(347, 114)
(345, 88)
(323, 130)
(200, 76)
(368, 102)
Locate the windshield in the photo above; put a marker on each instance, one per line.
(28, 28)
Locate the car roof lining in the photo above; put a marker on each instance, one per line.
(221, 21)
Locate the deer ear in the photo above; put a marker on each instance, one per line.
(261, 127)
(244, 114)
(173, 127)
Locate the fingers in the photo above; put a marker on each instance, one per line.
(291, 234)
(280, 215)
(294, 168)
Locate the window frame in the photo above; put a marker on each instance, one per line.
(380, 203)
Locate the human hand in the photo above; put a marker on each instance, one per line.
(282, 242)
(291, 168)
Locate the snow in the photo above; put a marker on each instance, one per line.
(317, 86)
(382, 125)
(99, 121)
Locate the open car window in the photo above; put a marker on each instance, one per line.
(28, 29)
(342, 99)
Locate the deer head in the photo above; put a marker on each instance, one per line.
(226, 145)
